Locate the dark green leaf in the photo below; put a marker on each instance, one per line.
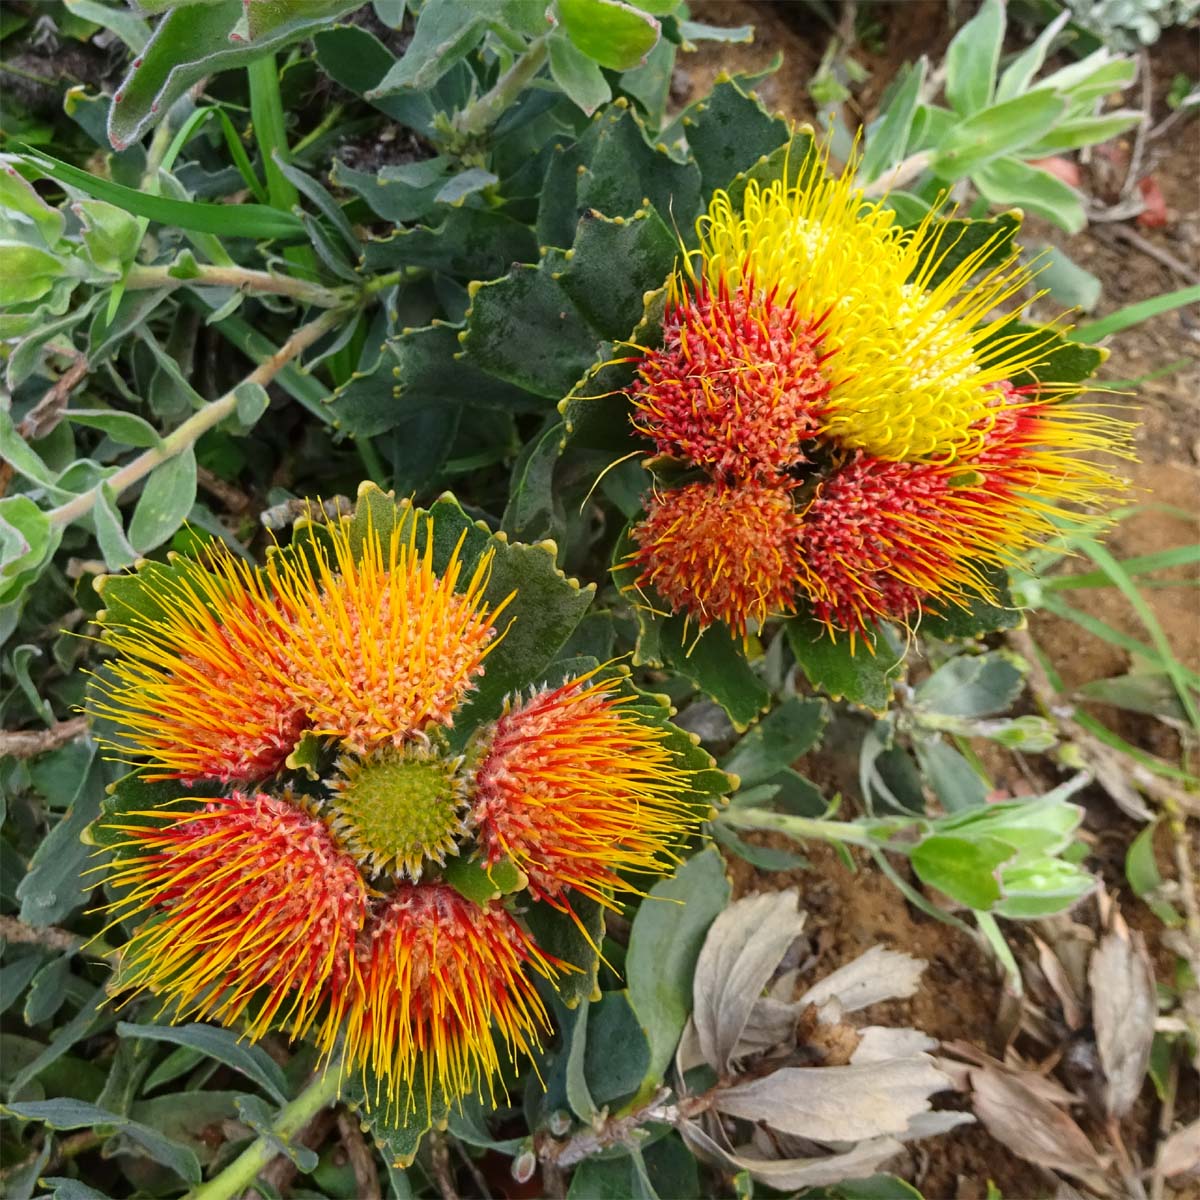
(470, 243)
(577, 74)
(981, 616)
(955, 782)
(863, 673)
(558, 936)
(777, 740)
(616, 1056)
(166, 500)
(949, 243)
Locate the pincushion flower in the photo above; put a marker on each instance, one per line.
(856, 379)
(297, 874)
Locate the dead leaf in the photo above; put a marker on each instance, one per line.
(770, 1023)
(743, 947)
(1060, 983)
(878, 1043)
(934, 1124)
(1045, 1087)
(838, 1104)
(1180, 1153)
(1034, 1129)
(1123, 1011)
(878, 974)
(788, 1174)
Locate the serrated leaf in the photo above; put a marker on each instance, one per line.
(728, 132)
(862, 673)
(470, 243)
(980, 616)
(949, 243)
(559, 936)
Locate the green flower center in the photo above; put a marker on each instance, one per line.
(398, 810)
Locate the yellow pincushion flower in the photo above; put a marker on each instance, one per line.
(911, 367)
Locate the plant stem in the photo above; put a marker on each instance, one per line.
(200, 422)
(322, 1090)
(479, 117)
(848, 833)
(206, 275)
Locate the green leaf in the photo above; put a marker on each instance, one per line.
(1135, 314)
(997, 131)
(613, 264)
(955, 782)
(471, 243)
(616, 1052)
(614, 34)
(530, 512)
(26, 272)
(948, 244)
(1083, 131)
(1008, 181)
(54, 884)
(27, 542)
(480, 884)
(601, 1179)
(525, 329)
(1041, 887)
(964, 868)
(446, 31)
(578, 75)
(399, 1122)
(126, 428)
(1019, 73)
(887, 139)
(776, 742)
(862, 674)
(19, 199)
(972, 58)
(224, 1046)
(971, 686)
(165, 502)
(546, 607)
(981, 616)
(559, 936)
(77, 1114)
(727, 133)
(664, 943)
(1141, 869)
(236, 220)
(1035, 826)
(1067, 282)
(198, 40)
(110, 235)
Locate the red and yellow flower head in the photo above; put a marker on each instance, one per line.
(845, 384)
(317, 897)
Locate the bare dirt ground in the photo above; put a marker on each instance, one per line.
(963, 995)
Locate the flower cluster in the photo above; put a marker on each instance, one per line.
(840, 390)
(321, 901)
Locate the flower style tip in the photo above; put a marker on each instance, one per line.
(255, 913)
(198, 686)
(721, 552)
(384, 646)
(445, 982)
(574, 788)
(737, 386)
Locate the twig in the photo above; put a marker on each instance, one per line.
(280, 1172)
(1148, 248)
(479, 116)
(439, 1157)
(243, 278)
(362, 1161)
(901, 174)
(48, 411)
(26, 743)
(615, 1131)
(14, 930)
(476, 1174)
(1128, 1169)
(198, 423)
(1134, 172)
(235, 500)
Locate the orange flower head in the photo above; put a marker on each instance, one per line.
(400, 810)
(199, 686)
(721, 551)
(256, 912)
(737, 386)
(383, 647)
(880, 538)
(444, 982)
(574, 788)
